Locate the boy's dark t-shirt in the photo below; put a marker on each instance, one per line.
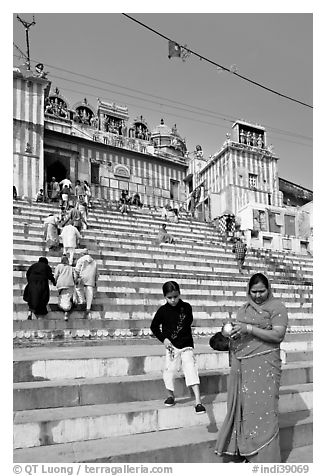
(174, 323)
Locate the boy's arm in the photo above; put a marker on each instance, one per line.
(189, 316)
(156, 326)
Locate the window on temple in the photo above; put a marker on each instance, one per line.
(253, 180)
(289, 224)
(267, 242)
(287, 244)
(275, 222)
(251, 136)
(174, 189)
(95, 173)
(304, 247)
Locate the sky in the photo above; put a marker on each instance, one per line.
(109, 56)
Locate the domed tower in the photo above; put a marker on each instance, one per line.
(84, 113)
(168, 140)
(139, 129)
(56, 105)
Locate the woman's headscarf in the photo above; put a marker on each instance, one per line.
(43, 260)
(255, 279)
(64, 259)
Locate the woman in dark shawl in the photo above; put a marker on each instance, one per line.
(37, 293)
(250, 430)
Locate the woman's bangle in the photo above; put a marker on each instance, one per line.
(249, 328)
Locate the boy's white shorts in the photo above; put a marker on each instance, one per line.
(182, 358)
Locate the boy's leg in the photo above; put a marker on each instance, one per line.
(170, 369)
(196, 391)
(190, 371)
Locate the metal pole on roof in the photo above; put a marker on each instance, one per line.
(27, 26)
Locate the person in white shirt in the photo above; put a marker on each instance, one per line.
(67, 182)
(70, 240)
(87, 275)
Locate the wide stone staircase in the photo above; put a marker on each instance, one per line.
(92, 390)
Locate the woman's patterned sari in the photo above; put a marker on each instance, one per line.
(251, 428)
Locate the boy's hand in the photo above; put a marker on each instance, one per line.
(169, 347)
(167, 343)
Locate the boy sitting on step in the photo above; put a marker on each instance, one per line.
(172, 326)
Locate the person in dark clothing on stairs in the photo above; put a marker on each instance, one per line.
(37, 292)
(172, 326)
(240, 250)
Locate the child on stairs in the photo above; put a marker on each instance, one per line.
(172, 326)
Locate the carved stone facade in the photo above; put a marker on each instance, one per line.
(84, 142)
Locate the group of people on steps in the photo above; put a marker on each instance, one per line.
(250, 431)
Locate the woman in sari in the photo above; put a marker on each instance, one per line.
(64, 275)
(250, 431)
(51, 235)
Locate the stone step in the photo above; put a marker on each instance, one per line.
(135, 386)
(137, 324)
(303, 454)
(127, 265)
(110, 286)
(141, 247)
(297, 340)
(140, 250)
(107, 214)
(167, 253)
(127, 308)
(52, 363)
(100, 210)
(171, 446)
(120, 222)
(162, 269)
(185, 238)
(132, 308)
(98, 220)
(69, 424)
(120, 262)
(145, 303)
(130, 227)
(196, 451)
(149, 281)
(112, 327)
(298, 356)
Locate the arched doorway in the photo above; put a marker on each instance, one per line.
(57, 169)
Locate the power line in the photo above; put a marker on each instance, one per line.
(218, 65)
(210, 115)
(146, 94)
(190, 118)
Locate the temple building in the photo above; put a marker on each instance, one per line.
(241, 180)
(99, 143)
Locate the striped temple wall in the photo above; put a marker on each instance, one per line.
(149, 176)
(228, 175)
(28, 131)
